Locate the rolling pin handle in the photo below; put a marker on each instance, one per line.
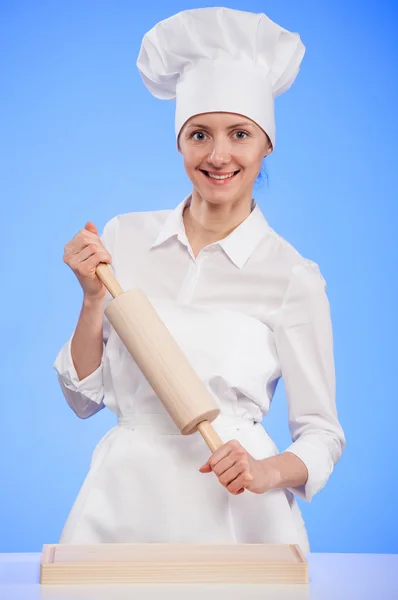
(105, 274)
(210, 435)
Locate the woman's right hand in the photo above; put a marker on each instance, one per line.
(83, 254)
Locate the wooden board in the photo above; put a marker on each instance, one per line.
(172, 563)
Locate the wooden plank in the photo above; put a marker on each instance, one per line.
(172, 563)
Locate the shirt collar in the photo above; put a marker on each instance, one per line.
(238, 245)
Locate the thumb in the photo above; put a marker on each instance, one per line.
(91, 227)
(206, 468)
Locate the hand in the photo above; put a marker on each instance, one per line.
(237, 470)
(83, 254)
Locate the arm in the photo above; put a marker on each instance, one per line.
(84, 393)
(289, 471)
(87, 341)
(79, 364)
(304, 342)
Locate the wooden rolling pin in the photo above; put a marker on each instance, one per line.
(168, 371)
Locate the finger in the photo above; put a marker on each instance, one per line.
(232, 473)
(220, 453)
(99, 251)
(83, 237)
(83, 255)
(226, 463)
(240, 482)
(86, 252)
(96, 259)
(206, 468)
(90, 262)
(216, 468)
(90, 226)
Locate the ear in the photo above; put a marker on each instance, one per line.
(178, 142)
(268, 151)
(269, 147)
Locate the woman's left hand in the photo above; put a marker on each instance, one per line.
(237, 469)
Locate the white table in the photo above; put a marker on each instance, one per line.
(332, 577)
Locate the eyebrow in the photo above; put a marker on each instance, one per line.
(241, 124)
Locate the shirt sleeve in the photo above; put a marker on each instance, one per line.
(304, 342)
(85, 396)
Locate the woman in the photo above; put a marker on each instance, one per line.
(244, 306)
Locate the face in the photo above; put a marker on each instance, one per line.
(223, 154)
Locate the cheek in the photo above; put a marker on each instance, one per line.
(192, 160)
(189, 167)
(251, 161)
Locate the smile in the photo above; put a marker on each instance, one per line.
(220, 179)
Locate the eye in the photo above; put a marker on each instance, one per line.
(245, 133)
(201, 133)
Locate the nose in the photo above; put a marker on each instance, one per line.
(219, 154)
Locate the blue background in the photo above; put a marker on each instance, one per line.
(82, 139)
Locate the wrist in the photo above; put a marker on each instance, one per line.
(271, 475)
(286, 470)
(93, 302)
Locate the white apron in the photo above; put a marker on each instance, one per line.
(144, 483)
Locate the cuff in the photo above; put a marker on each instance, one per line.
(319, 465)
(91, 386)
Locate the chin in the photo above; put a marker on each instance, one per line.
(217, 196)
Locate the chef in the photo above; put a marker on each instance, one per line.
(243, 304)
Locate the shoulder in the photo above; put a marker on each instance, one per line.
(134, 225)
(289, 261)
(137, 219)
(301, 286)
(295, 279)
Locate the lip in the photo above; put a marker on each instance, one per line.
(220, 172)
(219, 181)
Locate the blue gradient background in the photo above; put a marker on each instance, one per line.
(82, 139)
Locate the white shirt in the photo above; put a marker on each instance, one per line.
(247, 311)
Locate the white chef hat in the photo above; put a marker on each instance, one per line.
(220, 59)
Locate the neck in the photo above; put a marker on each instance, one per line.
(211, 222)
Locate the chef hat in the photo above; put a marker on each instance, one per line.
(220, 59)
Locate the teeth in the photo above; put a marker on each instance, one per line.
(220, 176)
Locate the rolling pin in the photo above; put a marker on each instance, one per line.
(165, 366)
